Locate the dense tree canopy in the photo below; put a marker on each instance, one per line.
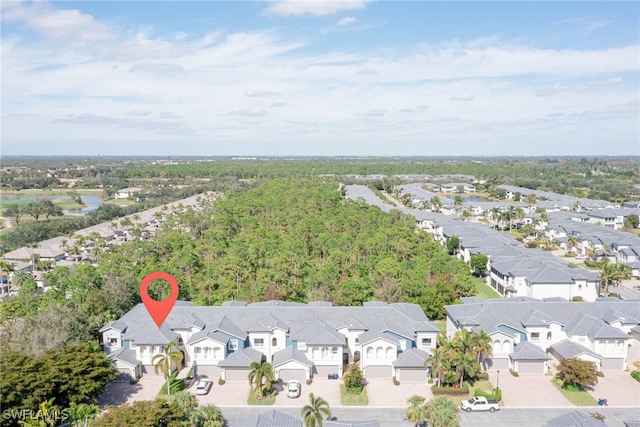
(299, 240)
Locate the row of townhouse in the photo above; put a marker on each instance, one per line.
(300, 340)
(528, 334)
(555, 201)
(71, 250)
(594, 241)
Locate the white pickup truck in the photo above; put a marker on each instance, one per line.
(479, 403)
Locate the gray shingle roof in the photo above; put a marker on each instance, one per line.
(338, 423)
(567, 349)
(369, 336)
(528, 351)
(412, 358)
(594, 328)
(288, 354)
(241, 358)
(318, 333)
(214, 335)
(270, 419)
(268, 324)
(117, 325)
(575, 419)
(124, 355)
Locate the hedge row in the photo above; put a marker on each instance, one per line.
(636, 375)
(496, 394)
(453, 391)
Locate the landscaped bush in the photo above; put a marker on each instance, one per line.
(309, 381)
(514, 373)
(636, 375)
(221, 381)
(353, 379)
(482, 376)
(577, 298)
(600, 374)
(452, 391)
(395, 381)
(495, 394)
(176, 384)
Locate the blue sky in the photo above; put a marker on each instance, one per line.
(347, 78)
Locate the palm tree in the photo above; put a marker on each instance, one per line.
(163, 362)
(464, 363)
(571, 243)
(611, 274)
(313, 412)
(261, 377)
(466, 215)
(440, 364)
(416, 412)
(207, 416)
(441, 412)
(19, 277)
(482, 347)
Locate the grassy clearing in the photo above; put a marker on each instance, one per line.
(478, 385)
(485, 291)
(37, 192)
(176, 384)
(578, 398)
(251, 400)
(353, 399)
(120, 202)
(442, 325)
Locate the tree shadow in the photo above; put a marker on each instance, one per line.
(118, 393)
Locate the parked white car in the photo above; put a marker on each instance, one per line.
(294, 388)
(203, 387)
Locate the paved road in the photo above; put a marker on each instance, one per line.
(394, 417)
(626, 292)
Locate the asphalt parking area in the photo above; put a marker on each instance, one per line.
(119, 393)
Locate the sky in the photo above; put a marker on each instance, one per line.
(320, 78)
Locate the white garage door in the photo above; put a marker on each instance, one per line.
(495, 364)
(530, 367)
(412, 375)
(149, 371)
(613, 365)
(292, 374)
(237, 375)
(324, 370)
(378, 372)
(206, 371)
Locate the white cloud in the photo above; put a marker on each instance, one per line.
(278, 105)
(140, 112)
(347, 20)
(41, 16)
(249, 112)
(253, 93)
(313, 7)
(376, 112)
(463, 97)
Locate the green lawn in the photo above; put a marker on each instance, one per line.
(485, 291)
(481, 385)
(442, 325)
(37, 192)
(251, 400)
(354, 399)
(120, 202)
(176, 384)
(578, 398)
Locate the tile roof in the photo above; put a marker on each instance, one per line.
(272, 418)
(213, 335)
(241, 358)
(288, 354)
(412, 358)
(528, 351)
(339, 423)
(575, 419)
(567, 348)
(124, 355)
(116, 324)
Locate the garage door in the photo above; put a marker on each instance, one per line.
(206, 371)
(409, 375)
(530, 367)
(123, 375)
(324, 370)
(292, 374)
(378, 372)
(237, 375)
(149, 371)
(495, 364)
(613, 365)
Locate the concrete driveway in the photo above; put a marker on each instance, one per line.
(619, 388)
(329, 390)
(118, 393)
(382, 392)
(230, 394)
(528, 390)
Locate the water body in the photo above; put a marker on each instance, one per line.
(476, 199)
(92, 202)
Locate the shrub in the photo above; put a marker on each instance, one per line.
(133, 381)
(482, 376)
(395, 381)
(577, 298)
(571, 386)
(597, 416)
(430, 380)
(221, 381)
(353, 379)
(600, 374)
(309, 381)
(353, 390)
(636, 375)
(514, 373)
(494, 394)
(453, 391)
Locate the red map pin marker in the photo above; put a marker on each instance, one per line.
(159, 310)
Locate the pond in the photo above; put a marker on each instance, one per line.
(475, 199)
(92, 202)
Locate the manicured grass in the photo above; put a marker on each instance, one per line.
(354, 399)
(176, 384)
(480, 385)
(485, 291)
(36, 192)
(69, 204)
(251, 400)
(578, 398)
(120, 202)
(442, 325)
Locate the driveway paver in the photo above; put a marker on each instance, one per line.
(382, 392)
(528, 390)
(118, 393)
(329, 390)
(618, 387)
(232, 393)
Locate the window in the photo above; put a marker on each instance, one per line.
(389, 353)
(207, 352)
(535, 336)
(197, 351)
(258, 342)
(274, 342)
(379, 353)
(357, 341)
(426, 342)
(143, 349)
(579, 287)
(548, 336)
(302, 345)
(233, 344)
(216, 352)
(180, 342)
(113, 341)
(334, 351)
(325, 352)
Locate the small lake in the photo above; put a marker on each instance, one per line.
(475, 199)
(92, 202)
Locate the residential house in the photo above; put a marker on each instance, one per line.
(127, 193)
(458, 187)
(300, 340)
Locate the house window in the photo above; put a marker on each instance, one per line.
(302, 345)
(274, 342)
(180, 341)
(369, 352)
(426, 342)
(216, 352)
(143, 349)
(233, 344)
(207, 352)
(197, 351)
(548, 336)
(357, 341)
(113, 341)
(379, 353)
(258, 342)
(325, 352)
(389, 353)
(579, 287)
(535, 336)
(334, 351)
